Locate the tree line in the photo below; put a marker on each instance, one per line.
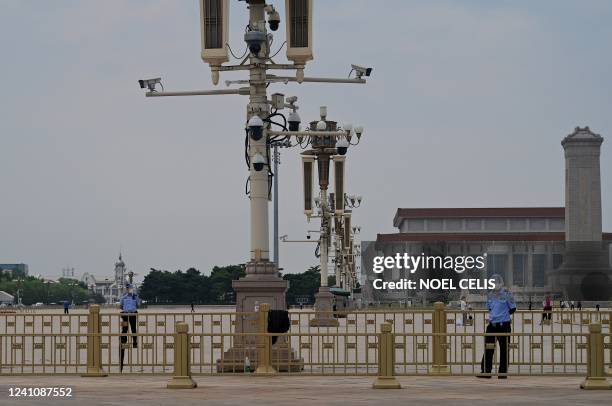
(33, 290)
(192, 286)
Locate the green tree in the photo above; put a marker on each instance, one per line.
(33, 290)
(191, 286)
(303, 284)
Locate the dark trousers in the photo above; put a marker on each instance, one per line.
(65, 310)
(486, 365)
(547, 315)
(131, 320)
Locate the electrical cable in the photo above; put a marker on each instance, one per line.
(232, 52)
(279, 49)
(247, 158)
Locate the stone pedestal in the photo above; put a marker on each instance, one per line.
(324, 309)
(261, 285)
(585, 274)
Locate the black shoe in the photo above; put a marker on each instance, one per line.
(502, 377)
(483, 376)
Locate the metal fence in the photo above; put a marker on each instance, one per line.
(358, 321)
(421, 342)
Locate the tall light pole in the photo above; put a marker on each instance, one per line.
(261, 283)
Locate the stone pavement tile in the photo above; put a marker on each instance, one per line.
(314, 390)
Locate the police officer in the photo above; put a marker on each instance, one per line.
(129, 306)
(501, 305)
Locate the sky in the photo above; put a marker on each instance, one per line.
(466, 107)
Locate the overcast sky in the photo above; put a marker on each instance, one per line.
(466, 107)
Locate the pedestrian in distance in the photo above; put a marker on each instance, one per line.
(129, 307)
(501, 305)
(562, 308)
(66, 306)
(464, 313)
(547, 309)
(192, 309)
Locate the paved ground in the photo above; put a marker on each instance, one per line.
(230, 390)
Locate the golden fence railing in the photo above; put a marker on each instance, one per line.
(404, 321)
(423, 343)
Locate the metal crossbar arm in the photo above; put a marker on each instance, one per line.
(281, 66)
(308, 133)
(241, 91)
(314, 241)
(316, 80)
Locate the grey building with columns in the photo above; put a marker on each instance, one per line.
(526, 245)
(522, 244)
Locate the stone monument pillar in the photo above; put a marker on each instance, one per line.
(582, 185)
(585, 272)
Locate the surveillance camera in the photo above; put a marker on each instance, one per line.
(274, 20)
(360, 70)
(321, 125)
(150, 83)
(273, 17)
(255, 125)
(308, 236)
(254, 39)
(258, 162)
(291, 99)
(342, 146)
(294, 121)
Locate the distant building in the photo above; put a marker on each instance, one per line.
(523, 244)
(68, 273)
(110, 288)
(16, 270)
(5, 298)
(537, 250)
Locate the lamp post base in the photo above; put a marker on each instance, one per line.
(260, 285)
(324, 316)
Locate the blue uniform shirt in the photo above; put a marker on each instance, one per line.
(129, 303)
(500, 305)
